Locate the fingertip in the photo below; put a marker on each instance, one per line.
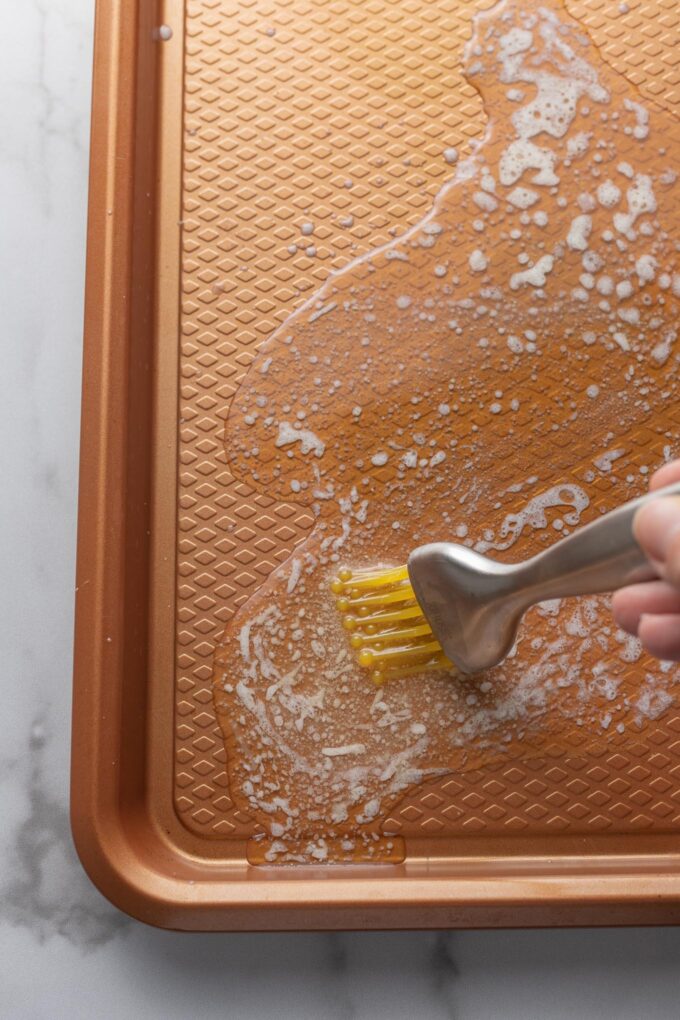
(627, 606)
(655, 526)
(649, 598)
(660, 636)
(625, 610)
(665, 475)
(672, 564)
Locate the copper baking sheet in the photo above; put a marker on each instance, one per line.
(217, 126)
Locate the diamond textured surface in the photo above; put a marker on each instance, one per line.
(285, 104)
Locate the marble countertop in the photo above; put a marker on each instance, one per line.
(64, 951)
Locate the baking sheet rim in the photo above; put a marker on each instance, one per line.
(120, 844)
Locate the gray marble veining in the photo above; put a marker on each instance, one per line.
(43, 888)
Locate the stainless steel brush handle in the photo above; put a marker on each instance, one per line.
(602, 556)
(474, 604)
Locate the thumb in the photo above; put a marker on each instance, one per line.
(657, 529)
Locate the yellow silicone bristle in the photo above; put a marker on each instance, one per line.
(406, 614)
(439, 661)
(387, 629)
(395, 635)
(366, 657)
(377, 598)
(363, 579)
(401, 635)
(402, 655)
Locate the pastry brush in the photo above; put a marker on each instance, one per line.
(451, 607)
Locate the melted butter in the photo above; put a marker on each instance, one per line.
(469, 379)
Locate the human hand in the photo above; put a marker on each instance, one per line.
(651, 611)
